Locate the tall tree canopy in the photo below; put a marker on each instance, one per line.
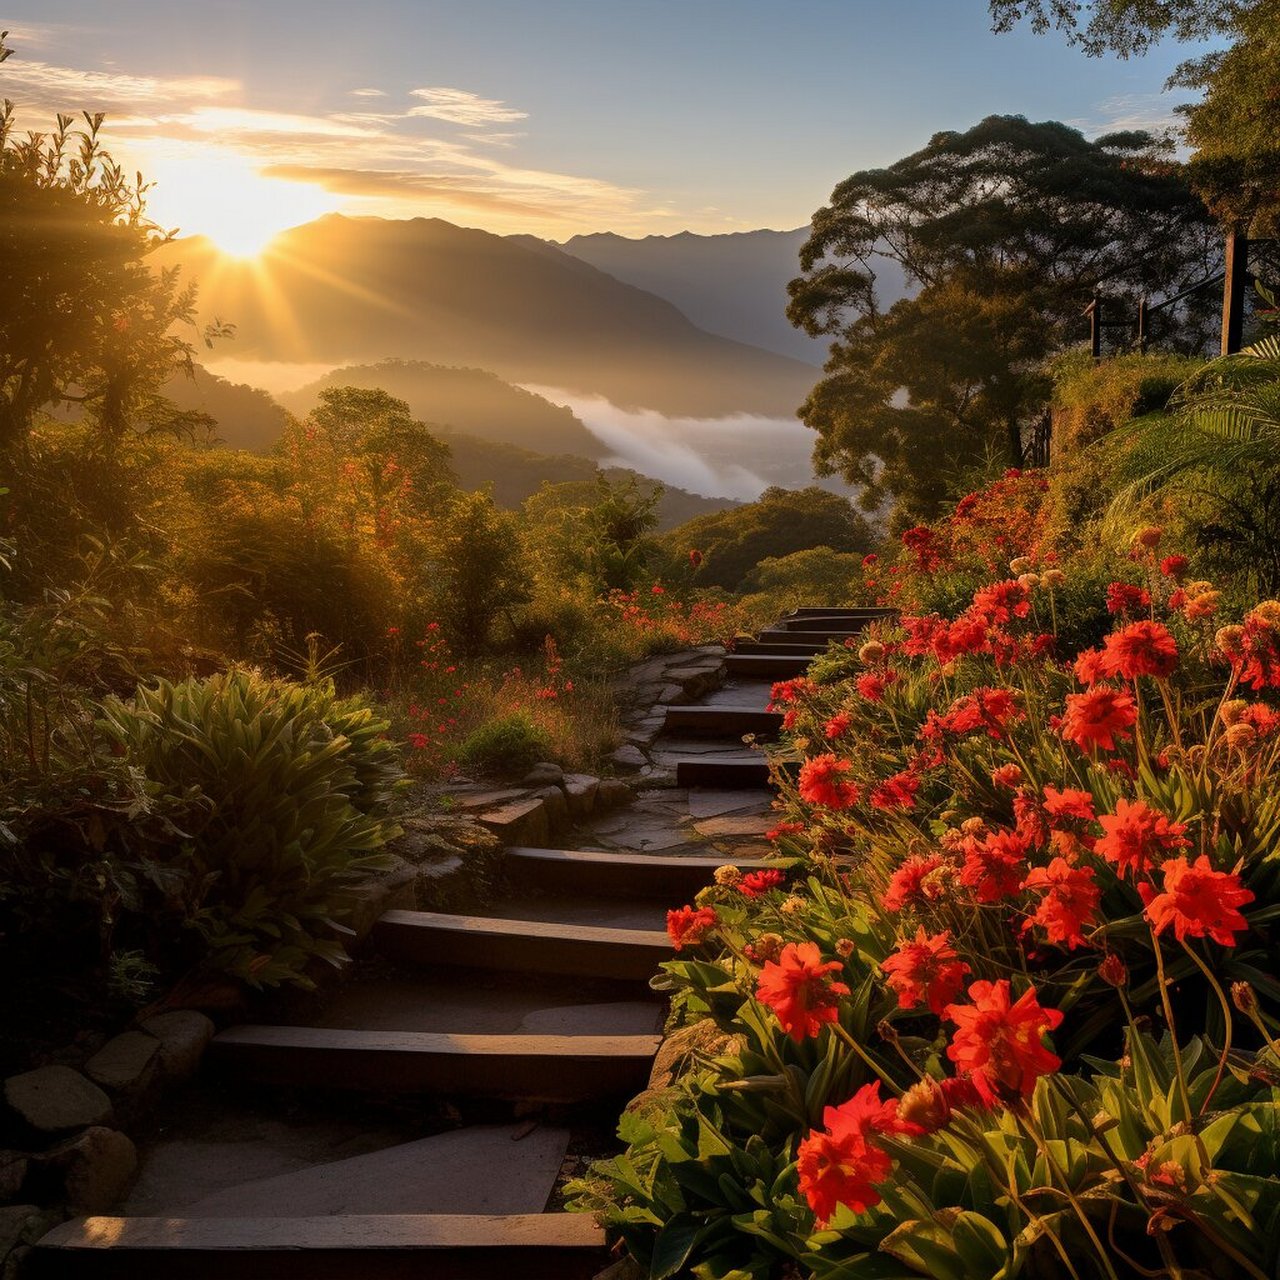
(1235, 127)
(1006, 231)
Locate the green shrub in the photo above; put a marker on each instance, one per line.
(507, 745)
(284, 793)
(1091, 399)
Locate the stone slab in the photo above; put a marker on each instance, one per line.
(448, 1173)
(57, 1099)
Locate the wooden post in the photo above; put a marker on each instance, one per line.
(1142, 326)
(1233, 287)
(1094, 312)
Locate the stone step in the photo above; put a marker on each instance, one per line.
(544, 1246)
(450, 1172)
(730, 772)
(541, 1068)
(669, 879)
(522, 946)
(782, 650)
(767, 666)
(820, 623)
(851, 611)
(780, 635)
(721, 722)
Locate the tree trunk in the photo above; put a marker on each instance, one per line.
(1015, 443)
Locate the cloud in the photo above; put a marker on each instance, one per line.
(46, 85)
(495, 139)
(368, 93)
(1154, 112)
(459, 106)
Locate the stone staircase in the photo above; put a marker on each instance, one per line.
(529, 1019)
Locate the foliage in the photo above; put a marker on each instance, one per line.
(281, 792)
(1233, 128)
(84, 318)
(969, 824)
(912, 393)
(508, 746)
(732, 543)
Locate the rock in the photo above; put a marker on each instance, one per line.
(96, 1168)
(629, 758)
(557, 807)
(521, 822)
(612, 792)
(20, 1224)
(378, 892)
(183, 1035)
(56, 1100)
(13, 1173)
(544, 774)
(580, 790)
(678, 1049)
(127, 1063)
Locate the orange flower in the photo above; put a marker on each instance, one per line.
(688, 926)
(906, 882)
(1068, 803)
(798, 990)
(1197, 901)
(1136, 837)
(822, 783)
(928, 969)
(754, 883)
(998, 1043)
(837, 726)
(1100, 717)
(1141, 649)
(1070, 901)
(994, 865)
(840, 1164)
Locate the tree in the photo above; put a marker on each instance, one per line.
(84, 319)
(1235, 128)
(734, 542)
(1007, 230)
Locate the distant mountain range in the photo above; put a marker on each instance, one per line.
(734, 284)
(352, 290)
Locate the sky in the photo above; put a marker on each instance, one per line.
(552, 117)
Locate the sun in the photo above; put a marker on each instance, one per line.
(227, 199)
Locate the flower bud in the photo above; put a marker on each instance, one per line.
(925, 1107)
(1148, 537)
(1053, 578)
(845, 947)
(1244, 998)
(1240, 737)
(871, 653)
(728, 876)
(1021, 565)
(1028, 581)
(768, 946)
(1113, 970)
(1267, 614)
(1228, 640)
(1230, 712)
(792, 906)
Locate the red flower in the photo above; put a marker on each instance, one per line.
(822, 783)
(1070, 901)
(1125, 598)
(790, 692)
(998, 1043)
(840, 1165)
(870, 686)
(688, 926)
(1089, 667)
(1001, 602)
(1007, 775)
(990, 709)
(927, 969)
(906, 883)
(1173, 566)
(755, 883)
(1068, 803)
(1099, 717)
(796, 987)
(784, 829)
(837, 726)
(695, 558)
(1140, 649)
(1198, 901)
(1136, 837)
(1256, 657)
(897, 792)
(994, 865)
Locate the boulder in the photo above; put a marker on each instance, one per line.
(612, 792)
(557, 807)
(544, 774)
(628, 758)
(13, 1173)
(183, 1035)
(20, 1225)
(520, 822)
(56, 1100)
(580, 791)
(96, 1168)
(127, 1063)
